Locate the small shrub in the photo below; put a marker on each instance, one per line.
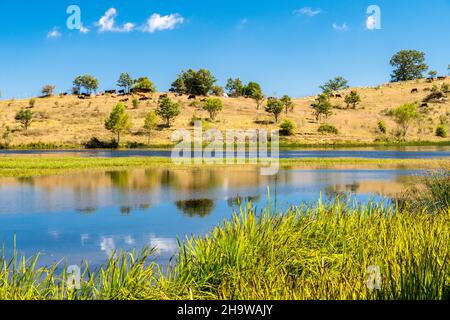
(135, 103)
(32, 102)
(134, 145)
(25, 117)
(327, 128)
(195, 119)
(441, 131)
(287, 127)
(382, 127)
(95, 143)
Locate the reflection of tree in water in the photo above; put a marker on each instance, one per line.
(87, 210)
(26, 180)
(341, 191)
(168, 178)
(238, 201)
(126, 210)
(196, 207)
(119, 179)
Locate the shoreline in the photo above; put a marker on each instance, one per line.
(42, 146)
(28, 166)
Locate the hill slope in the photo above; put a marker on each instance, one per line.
(69, 121)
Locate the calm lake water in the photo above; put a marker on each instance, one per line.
(90, 215)
(370, 152)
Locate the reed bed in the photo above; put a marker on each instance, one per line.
(321, 251)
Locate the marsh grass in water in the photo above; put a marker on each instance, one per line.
(309, 252)
(432, 192)
(26, 166)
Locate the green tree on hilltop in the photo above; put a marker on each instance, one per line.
(167, 110)
(334, 85)
(125, 81)
(275, 107)
(213, 106)
(25, 117)
(119, 121)
(409, 65)
(287, 103)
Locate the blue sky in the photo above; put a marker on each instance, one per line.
(290, 47)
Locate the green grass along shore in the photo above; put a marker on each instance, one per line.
(283, 145)
(24, 166)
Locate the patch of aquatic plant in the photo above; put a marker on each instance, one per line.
(432, 192)
(25, 166)
(323, 251)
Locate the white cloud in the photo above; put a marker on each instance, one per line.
(340, 27)
(54, 33)
(107, 23)
(84, 30)
(157, 22)
(308, 11)
(127, 27)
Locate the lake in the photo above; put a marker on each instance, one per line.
(419, 152)
(90, 215)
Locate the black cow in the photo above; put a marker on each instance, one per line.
(415, 90)
(192, 97)
(337, 95)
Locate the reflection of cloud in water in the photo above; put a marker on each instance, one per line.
(55, 234)
(107, 245)
(129, 240)
(163, 245)
(84, 237)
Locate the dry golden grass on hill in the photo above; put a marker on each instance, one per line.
(71, 121)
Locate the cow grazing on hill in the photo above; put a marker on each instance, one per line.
(415, 90)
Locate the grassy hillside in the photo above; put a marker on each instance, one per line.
(70, 121)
